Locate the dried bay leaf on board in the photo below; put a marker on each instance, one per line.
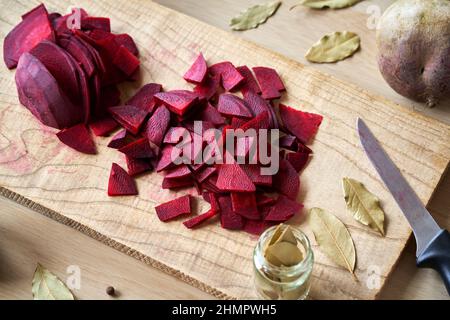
(325, 4)
(333, 238)
(46, 286)
(334, 47)
(364, 205)
(254, 16)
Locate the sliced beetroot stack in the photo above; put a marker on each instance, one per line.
(67, 76)
(159, 126)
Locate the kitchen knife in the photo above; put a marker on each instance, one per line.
(433, 243)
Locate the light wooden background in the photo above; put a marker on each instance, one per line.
(26, 237)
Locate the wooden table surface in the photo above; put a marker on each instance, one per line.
(27, 237)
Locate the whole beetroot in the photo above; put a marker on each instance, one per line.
(413, 40)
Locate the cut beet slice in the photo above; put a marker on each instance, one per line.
(210, 114)
(103, 127)
(177, 183)
(244, 204)
(90, 23)
(137, 166)
(237, 122)
(174, 208)
(257, 227)
(232, 178)
(261, 121)
(198, 70)
(80, 53)
(182, 171)
(39, 92)
(289, 142)
(208, 88)
(256, 103)
(177, 101)
(204, 173)
(120, 183)
(194, 222)
(269, 81)
(231, 78)
(127, 41)
(287, 181)
(34, 28)
(283, 210)
(78, 138)
(298, 160)
(126, 61)
(168, 154)
(144, 97)
(229, 219)
(249, 83)
(157, 125)
(138, 149)
(303, 125)
(130, 117)
(264, 201)
(253, 171)
(177, 134)
(233, 106)
(121, 139)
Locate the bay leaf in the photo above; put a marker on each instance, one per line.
(364, 205)
(254, 16)
(325, 4)
(334, 47)
(46, 286)
(333, 238)
(284, 254)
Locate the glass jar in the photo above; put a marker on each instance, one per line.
(283, 283)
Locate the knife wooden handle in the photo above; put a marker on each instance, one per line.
(437, 257)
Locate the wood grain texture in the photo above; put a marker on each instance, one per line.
(35, 165)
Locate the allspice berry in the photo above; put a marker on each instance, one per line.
(110, 291)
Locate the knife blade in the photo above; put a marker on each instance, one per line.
(433, 243)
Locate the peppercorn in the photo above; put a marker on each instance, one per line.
(110, 291)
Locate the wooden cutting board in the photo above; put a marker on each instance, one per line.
(39, 172)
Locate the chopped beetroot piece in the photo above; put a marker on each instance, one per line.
(137, 166)
(177, 134)
(233, 106)
(174, 208)
(40, 94)
(256, 103)
(287, 181)
(229, 219)
(127, 41)
(80, 53)
(303, 125)
(177, 183)
(157, 125)
(168, 155)
(130, 117)
(257, 227)
(177, 101)
(181, 171)
(232, 178)
(244, 204)
(198, 70)
(34, 28)
(126, 61)
(283, 210)
(120, 183)
(298, 160)
(89, 23)
(210, 114)
(204, 173)
(253, 171)
(261, 121)
(269, 81)
(303, 149)
(237, 122)
(109, 97)
(195, 221)
(78, 138)
(138, 149)
(120, 139)
(231, 78)
(143, 99)
(208, 88)
(249, 83)
(103, 127)
(264, 201)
